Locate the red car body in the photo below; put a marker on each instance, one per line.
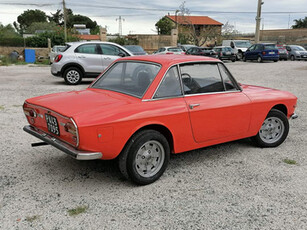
(101, 121)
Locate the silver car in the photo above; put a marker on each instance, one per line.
(169, 50)
(296, 52)
(86, 59)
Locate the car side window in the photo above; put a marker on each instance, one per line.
(227, 80)
(201, 78)
(111, 50)
(252, 48)
(87, 49)
(170, 85)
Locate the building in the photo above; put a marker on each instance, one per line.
(201, 27)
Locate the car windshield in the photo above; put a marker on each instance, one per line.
(132, 78)
(269, 46)
(174, 49)
(135, 48)
(243, 44)
(298, 48)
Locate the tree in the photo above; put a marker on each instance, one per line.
(228, 31)
(81, 19)
(57, 17)
(164, 26)
(300, 23)
(27, 18)
(197, 35)
(46, 26)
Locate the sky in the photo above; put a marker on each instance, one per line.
(139, 17)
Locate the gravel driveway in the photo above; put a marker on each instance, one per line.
(228, 186)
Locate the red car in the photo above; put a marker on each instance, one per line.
(143, 108)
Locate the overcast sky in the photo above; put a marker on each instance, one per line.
(140, 16)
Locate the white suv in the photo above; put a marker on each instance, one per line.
(86, 59)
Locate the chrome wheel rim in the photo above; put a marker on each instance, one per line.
(149, 158)
(73, 76)
(259, 59)
(271, 130)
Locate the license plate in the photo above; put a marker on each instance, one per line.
(228, 53)
(271, 52)
(52, 124)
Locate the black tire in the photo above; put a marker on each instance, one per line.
(292, 58)
(233, 60)
(275, 60)
(244, 58)
(131, 156)
(73, 76)
(280, 125)
(239, 56)
(259, 59)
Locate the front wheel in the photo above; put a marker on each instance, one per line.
(273, 131)
(145, 157)
(259, 59)
(292, 58)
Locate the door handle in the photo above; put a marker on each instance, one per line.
(81, 56)
(107, 58)
(193, 105)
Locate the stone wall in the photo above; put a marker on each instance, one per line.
(6, 50)
(151, 43)
(288, 36)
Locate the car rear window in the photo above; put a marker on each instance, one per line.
(270, 46)
(132, 78)
(175, 49)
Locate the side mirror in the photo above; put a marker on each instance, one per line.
(122, 55)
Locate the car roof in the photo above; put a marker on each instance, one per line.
(170, 59)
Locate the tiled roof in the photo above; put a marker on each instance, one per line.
(88, 37)
(195, 20)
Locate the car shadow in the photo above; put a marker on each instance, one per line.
(105, 172)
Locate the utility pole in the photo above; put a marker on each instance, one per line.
(65, 19)
(258, 19)
(120, 26)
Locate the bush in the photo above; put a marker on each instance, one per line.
(12, 41)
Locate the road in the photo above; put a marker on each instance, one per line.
(229, 186)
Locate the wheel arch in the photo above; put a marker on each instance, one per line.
(68, 65)
(282, 108)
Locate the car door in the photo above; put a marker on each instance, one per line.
(110, 53)
(249, 52)
(217, 107)
(89, 57)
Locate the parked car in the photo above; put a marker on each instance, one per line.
(55, 51)
(225, 53)
(136, 50)
(86, 59)
(296, 52)
(143, 108)
(282, 51)
(169, 50)
(185, 47)
(261, 52)
(202, 51)
(239, 47)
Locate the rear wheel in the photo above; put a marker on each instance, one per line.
(145, 157)
(273, 131)
(292, 58)
(244, 59)
(73, 76)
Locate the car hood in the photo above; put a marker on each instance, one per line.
(75, 103)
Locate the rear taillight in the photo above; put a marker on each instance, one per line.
(70, 128)
(169, 53)
(58, 58)
(221, 54)
(29, 112)
(263, 53)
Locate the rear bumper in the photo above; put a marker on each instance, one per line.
(77, 154)
(270, 58)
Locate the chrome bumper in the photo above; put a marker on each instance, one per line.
(294, 116)
(77, 154)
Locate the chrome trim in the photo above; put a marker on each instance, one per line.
(294, 116)
(191, 95)
(38, 106)
(192, 106)
(68, 149)
(77, 131)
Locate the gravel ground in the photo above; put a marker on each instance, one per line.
(228, 186)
